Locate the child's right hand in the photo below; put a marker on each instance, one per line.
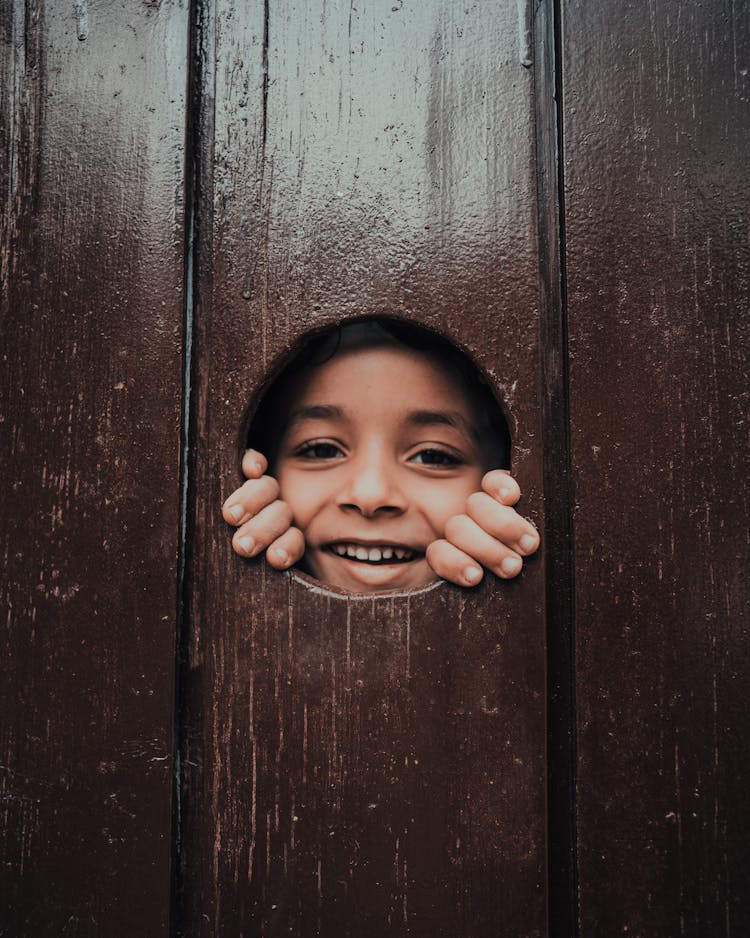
(262, 519)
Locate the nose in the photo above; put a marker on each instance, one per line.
(372, 487)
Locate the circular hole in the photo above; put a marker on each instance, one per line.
(377, 430)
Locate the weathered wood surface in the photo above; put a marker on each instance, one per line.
(92, 111)
(657, 197)
(362, 766)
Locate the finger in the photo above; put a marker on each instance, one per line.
(286, 550)
(453, 564)
(260, 531)
(501, 485)
(465, 534)
(254, 464)
(249, 499)
(503, 523)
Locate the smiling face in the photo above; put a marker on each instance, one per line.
(379, 449)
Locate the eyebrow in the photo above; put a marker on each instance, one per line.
(449, 418)
(315, 412)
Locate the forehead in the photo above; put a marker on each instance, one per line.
(390, 372)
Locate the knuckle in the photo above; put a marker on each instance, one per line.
(497, 554)
(247, 488)
(435, 555)
(283, 513)
(476, 503)
(432, 553)
(496, 476)
(296, 542)
(455, 525)
(275, 520)
(271, 485)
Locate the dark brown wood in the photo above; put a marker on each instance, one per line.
(91, 251)
(656, 130)
(362, 766)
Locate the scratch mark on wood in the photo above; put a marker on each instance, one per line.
(82, 19)
(524, 33)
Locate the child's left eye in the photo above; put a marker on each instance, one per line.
(436, 457)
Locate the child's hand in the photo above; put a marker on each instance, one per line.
(491, 534)
(263, 521)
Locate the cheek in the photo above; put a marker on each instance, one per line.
(306, 493)
(439, 501)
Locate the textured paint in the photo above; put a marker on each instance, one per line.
(362, 766)
(91, 253)
(656, 129)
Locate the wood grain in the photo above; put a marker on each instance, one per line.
(90, 375)
(362, 766)
(656, 123)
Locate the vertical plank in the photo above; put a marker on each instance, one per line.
(656, 129)
(362, 766)
(93, 108)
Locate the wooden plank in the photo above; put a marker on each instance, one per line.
(656, 125)
(362, 766)
(93, 103)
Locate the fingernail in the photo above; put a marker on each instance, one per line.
(247, 544)
(472, 574)
(528, 542)
(281, 554)
(236, 512)
(503, 492)
(511, 565)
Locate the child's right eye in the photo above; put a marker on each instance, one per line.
(319, 451)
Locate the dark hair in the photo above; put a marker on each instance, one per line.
(265, 421)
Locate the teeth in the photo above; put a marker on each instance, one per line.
(372, 554)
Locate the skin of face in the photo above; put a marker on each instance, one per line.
(379, 449)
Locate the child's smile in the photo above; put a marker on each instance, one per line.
(379, 450)
(386, 562)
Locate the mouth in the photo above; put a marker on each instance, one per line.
(369, 566)
(374, 554)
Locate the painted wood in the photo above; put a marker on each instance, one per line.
(93, 104)
(656, 127)
(361, 766)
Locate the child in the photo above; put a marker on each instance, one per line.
(385, 447)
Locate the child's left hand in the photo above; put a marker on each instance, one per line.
(490, 534)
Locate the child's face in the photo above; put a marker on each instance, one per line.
(379, 451)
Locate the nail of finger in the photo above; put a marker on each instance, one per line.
(281, 555)
(472, 574)
(252, 465)
(511, 565)
(246, 544)
(528, 542)
(236, 512)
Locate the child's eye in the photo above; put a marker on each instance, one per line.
(437, 457)
(319, 451)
